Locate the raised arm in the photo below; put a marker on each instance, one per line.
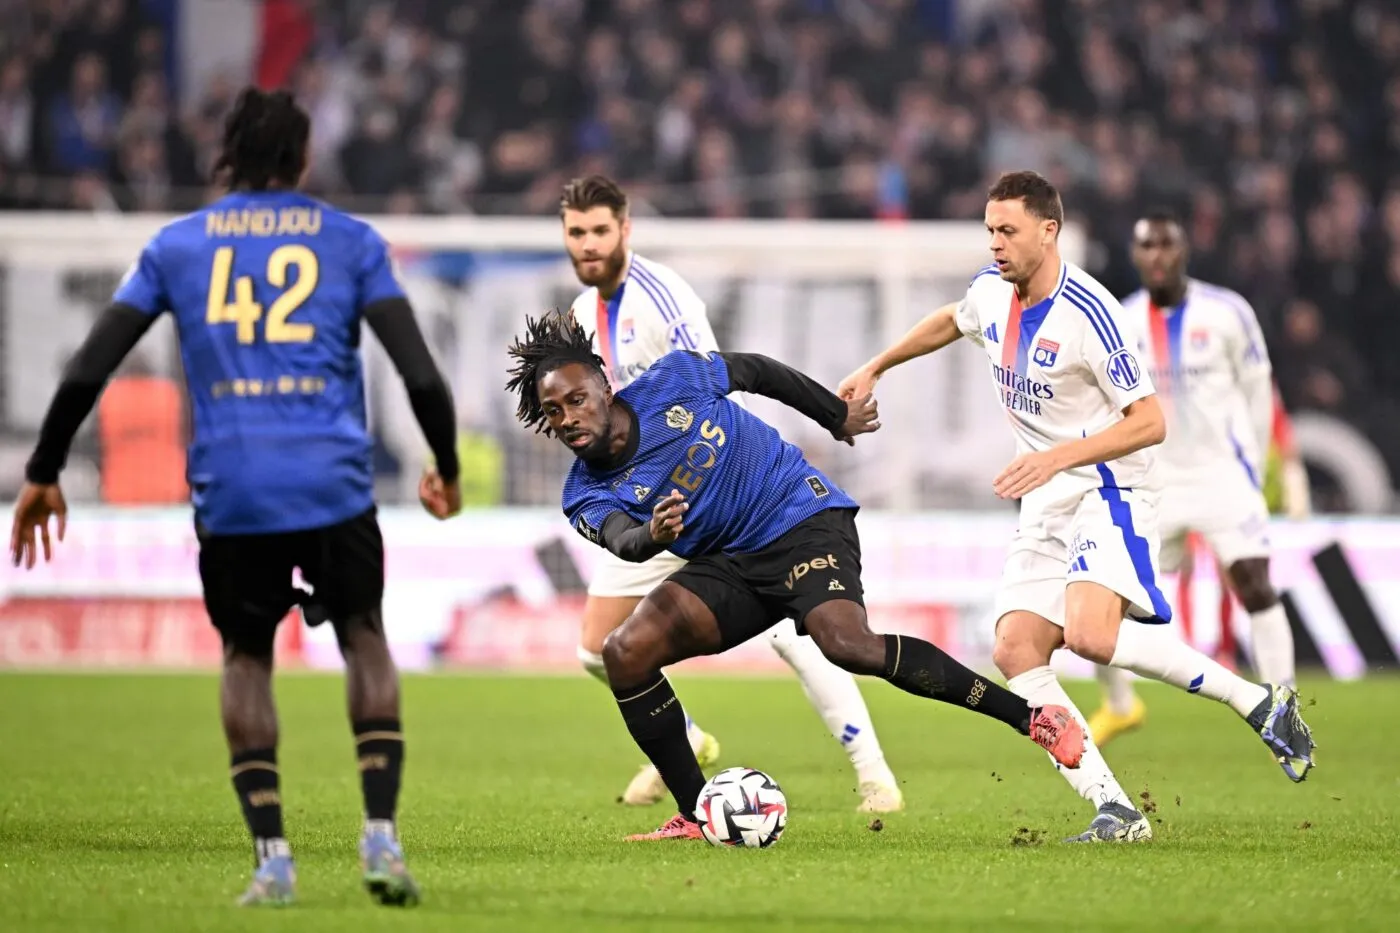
(934, 332)
(762, 375)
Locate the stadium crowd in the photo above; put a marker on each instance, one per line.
(1273, 126)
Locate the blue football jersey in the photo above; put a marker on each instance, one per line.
(746, 485)
(267, 290)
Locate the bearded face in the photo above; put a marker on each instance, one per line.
(597, 243)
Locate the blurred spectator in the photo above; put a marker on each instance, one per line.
(16, 115)
(83, 121)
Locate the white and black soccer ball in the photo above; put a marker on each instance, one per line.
(742, 807)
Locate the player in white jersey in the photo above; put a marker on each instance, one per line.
(637, 311)
(1086, 418)
(1211, 368)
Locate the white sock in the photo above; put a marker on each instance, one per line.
(837, 699)
(1117, 688)
(273, 847)
(1155, 651)
(381, 828)
(593, 663)
(1272, 641)
(1092, 780)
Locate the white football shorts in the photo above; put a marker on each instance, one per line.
(1110, 539)
(1230, 515)
(613, 576)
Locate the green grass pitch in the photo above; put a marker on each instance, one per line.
(116, 814)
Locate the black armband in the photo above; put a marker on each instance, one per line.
(393, 323)
(629, 539)
(754, 372)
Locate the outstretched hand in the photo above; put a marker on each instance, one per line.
(36, 505)
(862, 417)
(858, 384)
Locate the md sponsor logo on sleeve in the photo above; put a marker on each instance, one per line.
(1123, 370)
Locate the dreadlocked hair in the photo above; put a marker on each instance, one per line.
(552, 341)
(265, 138)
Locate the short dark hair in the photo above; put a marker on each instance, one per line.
(265, 139)
(1162, 215)
(590, 191)
(552, 341)
(1041, 199)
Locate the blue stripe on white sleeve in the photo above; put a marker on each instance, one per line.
(1094, 308)
(1094, 320)
(656, 301)
(681, 339)
(660, 294)
(1092, 305)
(1244, 462)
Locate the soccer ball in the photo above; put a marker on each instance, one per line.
(742, 807)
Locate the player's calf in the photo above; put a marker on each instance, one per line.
(923, 669)
(250, 727)
(1271, 635)
(372, 693)
(670, 625)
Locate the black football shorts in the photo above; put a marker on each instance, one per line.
(248, 578)
(813, 563)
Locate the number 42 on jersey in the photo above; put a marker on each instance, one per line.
(245, 313)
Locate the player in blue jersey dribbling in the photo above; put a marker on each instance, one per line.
(268, 289)
(670, 463)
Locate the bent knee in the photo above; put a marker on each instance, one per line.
(632, 649)
(602, 615)
(848, 642)
(1089, 647)
(360, 630)
(1093, 639)
(1256, 593)
(1024, 641)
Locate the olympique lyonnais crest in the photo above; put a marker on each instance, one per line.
(1200, 338)
(1046, 352)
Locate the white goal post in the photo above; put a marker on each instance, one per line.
(820, 295)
